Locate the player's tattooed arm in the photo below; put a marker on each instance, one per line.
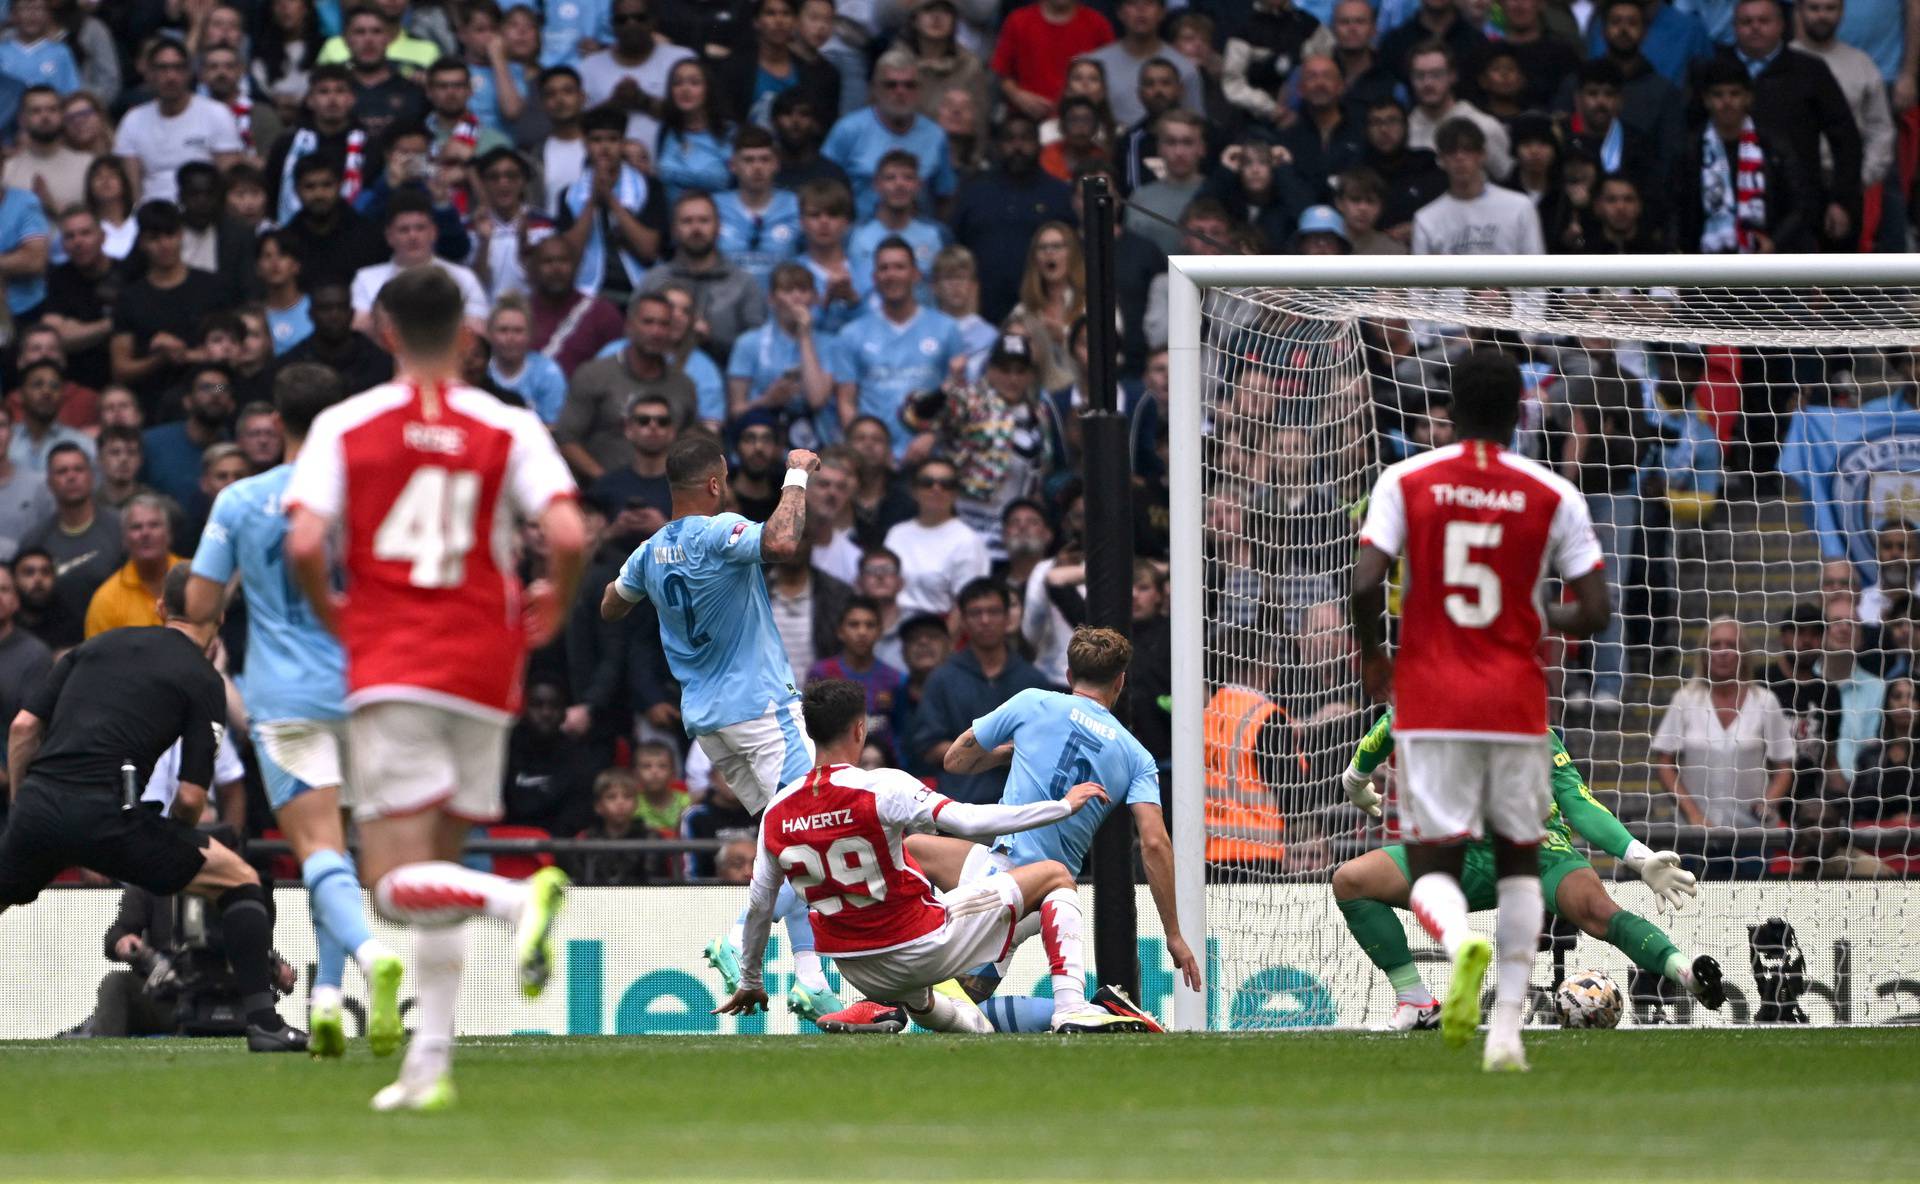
(781, 538)
(966, 755)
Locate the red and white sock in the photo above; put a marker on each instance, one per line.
(1060, 933)
(1522, 909)
(439, 957)
(441, 893)
(1441, 907)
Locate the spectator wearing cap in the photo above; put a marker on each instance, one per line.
(1411, 176)
(1798, 106)
(1036, 43)
(156, 321)
(896, 350)
(504, 227)
(968, 685)
(727, 298)
(1650, 102)
(1322, 231)
(998, 212)
(892, 121)
(1435, 23)
(1325, 137)
(592, 426)
(1433, 77)
(1473, 217)
(1860, 81)
(176, 126)
(1737, 189)
(996, 432)
(786, 365)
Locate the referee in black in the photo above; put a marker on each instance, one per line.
(122, 699)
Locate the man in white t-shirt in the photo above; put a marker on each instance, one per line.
(633, 74)
(1473, 217)
(1433, 77)
(410, 233)
(938, 552)
(178, 126)
(563, 154)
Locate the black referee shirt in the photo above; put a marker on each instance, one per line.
(128, 694)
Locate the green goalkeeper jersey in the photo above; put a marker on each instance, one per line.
(1573, 805)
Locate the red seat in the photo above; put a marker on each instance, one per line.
(519, 867)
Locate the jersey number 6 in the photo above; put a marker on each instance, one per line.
(851, 865)
(1462, 572)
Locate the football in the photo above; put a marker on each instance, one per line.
(1588, 999)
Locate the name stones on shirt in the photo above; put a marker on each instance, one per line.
(1093, 725)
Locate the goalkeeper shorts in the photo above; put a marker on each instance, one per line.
(1481, 882)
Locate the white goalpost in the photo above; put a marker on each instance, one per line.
(1745, 429)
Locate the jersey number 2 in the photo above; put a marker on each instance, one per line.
(850, 863)
(1462, 572)
(431, 526)
(679, 597)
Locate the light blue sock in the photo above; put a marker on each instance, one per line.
(339, 913)
(1019, 1013)
(791, 908)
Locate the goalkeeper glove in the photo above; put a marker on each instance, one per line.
(1660, 871)
(1360, 791)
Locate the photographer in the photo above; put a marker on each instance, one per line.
(178, 981)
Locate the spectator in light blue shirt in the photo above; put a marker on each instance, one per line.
(896, 184)
(826, 210)
(516, 367)
(564, 24)
(898, 350)
(893, 121)
(494, 105)
(289, 311)
(786, 364)
(23, 229)
(31, 53)
(759, 225)
(694, 133)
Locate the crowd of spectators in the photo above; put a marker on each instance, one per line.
(852, 226)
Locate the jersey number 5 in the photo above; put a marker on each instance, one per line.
(431, 526)
(850, 863)
(1462, 572)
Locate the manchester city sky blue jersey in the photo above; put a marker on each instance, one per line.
(1060, 740)
(703, 575)
(295, 668)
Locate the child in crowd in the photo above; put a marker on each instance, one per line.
(858, 633)
(614, 800)
(662, 798)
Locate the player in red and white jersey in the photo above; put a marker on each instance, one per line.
(428, 482)
(1479, 529)
(838, 834)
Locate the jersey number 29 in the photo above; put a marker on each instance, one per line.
(850, 863)
(1462, 572)
(431, 526)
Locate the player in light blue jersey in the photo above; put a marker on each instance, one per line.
(295, 691)
(1054, 741)
(738, 698)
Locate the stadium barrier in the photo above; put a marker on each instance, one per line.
(631, 962)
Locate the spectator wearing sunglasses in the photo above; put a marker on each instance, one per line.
(939, 553)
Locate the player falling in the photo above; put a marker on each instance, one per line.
(295, 687)
(429, 481)
(1478, 527)
(835, 837)
(1369, 888)
(702, 571)
(1054, 741)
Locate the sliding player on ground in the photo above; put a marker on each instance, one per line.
(1479, 527)
(1369, 888)
(1055, 741)
(738, 699)
(836, 837)
(430, 481)
(295, 689)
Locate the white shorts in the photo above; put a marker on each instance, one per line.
(297, 755)
(758, 756)
(1458, 789)
(979, 929)
(408, 757)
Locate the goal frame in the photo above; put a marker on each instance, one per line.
(1188, 278)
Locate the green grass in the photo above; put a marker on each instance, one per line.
(1696, 1105)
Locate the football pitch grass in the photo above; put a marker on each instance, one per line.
(1799, 1105)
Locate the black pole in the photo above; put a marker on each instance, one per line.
(1107, 476)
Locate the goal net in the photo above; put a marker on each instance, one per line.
(1745, 432)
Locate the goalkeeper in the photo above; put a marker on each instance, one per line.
(1369, 888)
